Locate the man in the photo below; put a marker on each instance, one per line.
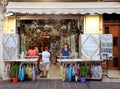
(45, 62)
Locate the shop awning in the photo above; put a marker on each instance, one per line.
(64, 7)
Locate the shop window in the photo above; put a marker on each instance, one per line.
(106, 30)
(115, 61)
(115, 41)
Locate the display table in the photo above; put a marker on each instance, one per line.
(27, 59)
(32, 60)
(32, 72)
(94, 68)
(76, 60)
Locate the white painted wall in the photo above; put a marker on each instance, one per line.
(92, 24)
(1, 41)
(10, 25)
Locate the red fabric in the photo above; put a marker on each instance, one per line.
(32, 52)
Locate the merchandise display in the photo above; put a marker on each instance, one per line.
(22, 68)
(74, 71)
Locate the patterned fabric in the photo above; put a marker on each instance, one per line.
(10, 46)
(96, 72)
(90, 46)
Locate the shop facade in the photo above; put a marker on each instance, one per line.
(88, 16)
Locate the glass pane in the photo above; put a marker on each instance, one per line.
(115, 60)
(115, 41)
(106, 30)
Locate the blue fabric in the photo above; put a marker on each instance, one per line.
(65, 52)
(70, 69)
(21, 73)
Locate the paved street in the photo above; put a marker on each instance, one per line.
(58, 84)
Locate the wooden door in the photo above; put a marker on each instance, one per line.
(114, 29)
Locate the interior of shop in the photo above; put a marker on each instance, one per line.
(52, 32)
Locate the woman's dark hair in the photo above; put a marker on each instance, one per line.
(66, 44)
(31, 46)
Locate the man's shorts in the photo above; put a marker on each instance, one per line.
(45, 65)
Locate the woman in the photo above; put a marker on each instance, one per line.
(32, 51)
(66, 50)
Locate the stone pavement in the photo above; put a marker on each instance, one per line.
(58, 84)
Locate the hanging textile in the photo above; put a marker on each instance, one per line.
(64, 73)
(96, 71)
(90, 46)
(61, 70)
(76, 72)
(21, 73)
(73, 71)
(106, 46)
(33, 73)
(10, 46)
(7, 71)
(28, 71)
(70, 73)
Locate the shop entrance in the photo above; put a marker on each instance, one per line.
(52, 32)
